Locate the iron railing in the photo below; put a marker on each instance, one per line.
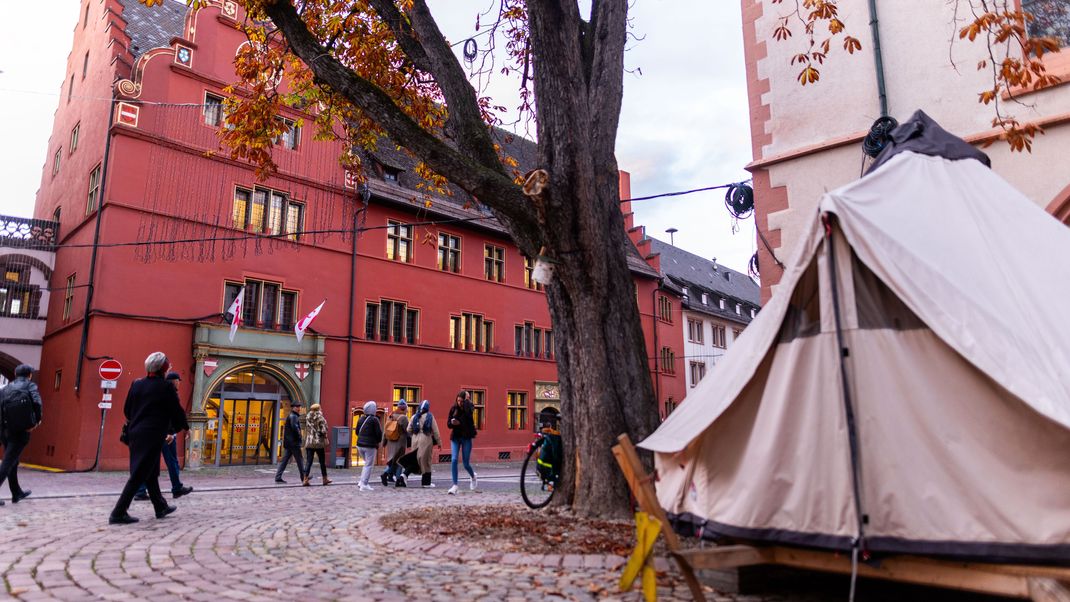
(25, 232)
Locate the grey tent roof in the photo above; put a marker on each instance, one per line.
(699, 275)
(922, 135)
(153, 27)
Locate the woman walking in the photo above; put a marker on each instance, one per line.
(315, 443)
(463, 426)
(152, 408)
(395, 438)
(424, 431)
(369, 436)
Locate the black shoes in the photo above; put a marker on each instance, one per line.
(167, 510)
(279, 480)
(385, 478)
(400, 481)
(181, 491)
(18, 498)
(125, 519)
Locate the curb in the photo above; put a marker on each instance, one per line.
(376, 532)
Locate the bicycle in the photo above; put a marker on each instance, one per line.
(542, 466)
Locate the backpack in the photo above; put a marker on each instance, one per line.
(18, 409)
(393, 428)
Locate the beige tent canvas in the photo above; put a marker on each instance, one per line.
(908, 385)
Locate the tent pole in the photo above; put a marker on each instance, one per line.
(842, 350)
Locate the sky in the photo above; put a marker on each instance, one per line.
(684, 122)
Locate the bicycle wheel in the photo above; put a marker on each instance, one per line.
(536, 491)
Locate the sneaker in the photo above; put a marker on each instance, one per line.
(473, 482)
(452, 491)
(364, 487)
(428, 486)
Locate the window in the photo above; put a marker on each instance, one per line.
(391, 321)
(528, 341)
(471, 332)
(664, 308)
(718, 336)
(479, 403)
(494, 263)
(268, 211)
(398, 241)
(695, 331)
(68, 297)
(529, 281)
(668, 360)
(70, 89)
(410, 394)
(390, 174)
(55, 161)
(670, 406)
(213, 110)
(266, 305)
(74, 137)
(705, 299)
(738, 309)
(94, 186)
(85, 64)
(1050, 18)
(18, 298)
(449, 252)
(698, 370)
(721, 302)
(291, 137)
(516, 407)
(753, 313)
(58, 380)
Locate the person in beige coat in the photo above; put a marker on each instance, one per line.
(316, 442)
(424, 431)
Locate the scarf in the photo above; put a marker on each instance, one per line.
(423, 413)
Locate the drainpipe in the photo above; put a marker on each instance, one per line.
(365, 196)
(657, 352)
(882, 94)
(93, 266)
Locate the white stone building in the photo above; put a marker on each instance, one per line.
(27, 258)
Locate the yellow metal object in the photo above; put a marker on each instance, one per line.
(647, 530)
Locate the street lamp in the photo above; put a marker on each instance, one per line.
(671, 232)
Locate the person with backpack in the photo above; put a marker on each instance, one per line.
(369, 436)
(395, 439)
(316, 443)
(461, 422)
(20, 413)
(424, 431)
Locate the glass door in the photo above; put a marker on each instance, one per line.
(244, 430)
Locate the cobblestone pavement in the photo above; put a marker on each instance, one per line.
(284, 543)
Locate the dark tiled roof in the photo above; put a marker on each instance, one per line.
(698, 275)
(153, 27)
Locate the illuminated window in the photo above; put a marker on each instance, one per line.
(449, 252)
(266, 304)
(391, 321)
(529, 281)
(268, 211)
(517, 410)
(471, 332)
(398, 241)
(494, 263)
(479, 403)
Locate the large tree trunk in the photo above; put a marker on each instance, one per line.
(602, 363)
(578, 72)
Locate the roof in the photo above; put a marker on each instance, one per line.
(701, 275)
(153, 27)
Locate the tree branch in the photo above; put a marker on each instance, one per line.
(389, 13)
(492, 186)
(609, 32)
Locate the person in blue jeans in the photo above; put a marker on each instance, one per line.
(170, 457)
(462, 426)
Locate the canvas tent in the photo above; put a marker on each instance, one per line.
(944, 427)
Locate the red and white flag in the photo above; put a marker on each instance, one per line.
(235, 311)
(303, 324)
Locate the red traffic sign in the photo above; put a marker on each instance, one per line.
(110, 370)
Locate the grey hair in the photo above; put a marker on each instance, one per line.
(156, 362)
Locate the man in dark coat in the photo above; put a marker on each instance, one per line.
(291, 442)
(152, 408)
(13, 438)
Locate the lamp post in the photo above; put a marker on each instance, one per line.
(671, 232)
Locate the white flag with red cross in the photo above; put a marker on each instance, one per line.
(235, 311)
(303, 324)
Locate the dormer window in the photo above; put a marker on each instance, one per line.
(390, 174)
(685, 291)
(705, 299)
(722, 303)
(753, 313)
(739, 309)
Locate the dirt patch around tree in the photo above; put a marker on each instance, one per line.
(515, 528)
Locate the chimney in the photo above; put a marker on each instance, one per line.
(715, 264)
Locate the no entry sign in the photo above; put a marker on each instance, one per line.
(110, 370)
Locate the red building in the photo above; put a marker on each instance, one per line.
(425, 301)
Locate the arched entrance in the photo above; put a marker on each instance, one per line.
(245, 410)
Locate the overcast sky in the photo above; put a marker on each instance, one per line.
(684, 123)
